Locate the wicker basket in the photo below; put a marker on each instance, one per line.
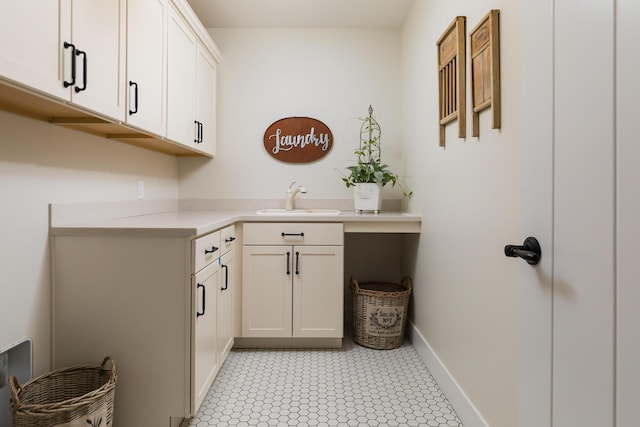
(380, 313)
(70, 397)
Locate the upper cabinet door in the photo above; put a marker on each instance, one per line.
(98, 32)
(206, 68)
(31, 48)
(146, 65)
(45, 44)
(181, 124)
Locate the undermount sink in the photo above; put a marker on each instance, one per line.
(318, 212)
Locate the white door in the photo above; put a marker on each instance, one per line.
(580, 200)
(627, 213)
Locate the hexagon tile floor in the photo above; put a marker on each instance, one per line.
(351, 386)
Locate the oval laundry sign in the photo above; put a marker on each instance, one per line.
(298, 139)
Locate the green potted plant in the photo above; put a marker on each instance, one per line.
(369, 174)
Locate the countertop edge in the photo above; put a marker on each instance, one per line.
(190, 224)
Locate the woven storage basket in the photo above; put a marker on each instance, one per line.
(380, 312)
(69, 397)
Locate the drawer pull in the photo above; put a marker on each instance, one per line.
(297, 262)
(229, 239)
(226, 277)
(210, 251)
(204, 297)
(292, 234)
(288, 255)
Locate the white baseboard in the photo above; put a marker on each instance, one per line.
(464, 408)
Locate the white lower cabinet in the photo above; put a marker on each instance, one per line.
(205, 330)
(225, 303)
(292, 280)
(156, 305)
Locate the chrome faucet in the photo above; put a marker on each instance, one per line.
(291, 195)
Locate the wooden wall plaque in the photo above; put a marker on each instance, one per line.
(452, 78)
(298, 140)
(485, 70)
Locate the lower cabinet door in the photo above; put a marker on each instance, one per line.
(266, 291)
(225, 305)
(292, 291)
(318, 292)
(204, 359)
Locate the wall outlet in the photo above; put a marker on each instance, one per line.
(140, 189)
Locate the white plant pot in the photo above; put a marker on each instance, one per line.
(367, 197)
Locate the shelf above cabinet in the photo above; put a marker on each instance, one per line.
(26, 102)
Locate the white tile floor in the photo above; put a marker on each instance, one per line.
(352, 386)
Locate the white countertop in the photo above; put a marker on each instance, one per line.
(189, 223)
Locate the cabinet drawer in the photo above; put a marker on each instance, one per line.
(228, 237)
(206, 249)
(295, 233)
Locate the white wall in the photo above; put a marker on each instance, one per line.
(332, 75)
(42, 164)
(465, 297)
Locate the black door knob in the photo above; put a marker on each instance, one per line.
(528, 251)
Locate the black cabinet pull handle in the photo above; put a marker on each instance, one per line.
(529, 251)
(84, 71)
(73, 64)
(288, 270)
(229, 239)
(297, 262)
(201, 132)
(204, 298)
(210, 251)
(135, 98)
(226, 277)
(198, 139)
(292, 234)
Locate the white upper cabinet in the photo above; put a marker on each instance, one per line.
(139, 71)
(146, 65)
(181, 55)
(98, 36)
(73, 50)
(191, 87)
(205, 117)
(30, 54)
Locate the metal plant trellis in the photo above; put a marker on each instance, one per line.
(369, 140)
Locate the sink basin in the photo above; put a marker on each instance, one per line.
(296, 212)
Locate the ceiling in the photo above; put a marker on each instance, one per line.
(302, 13)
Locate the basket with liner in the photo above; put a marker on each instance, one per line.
(69, 397)
(380, 312)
